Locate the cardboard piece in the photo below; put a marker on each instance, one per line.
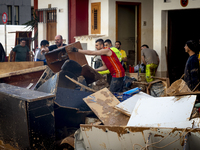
(102, 104)
(162, 110)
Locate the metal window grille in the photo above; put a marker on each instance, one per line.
(47, 15)
(51, 16)
(16, 15)
(9, 22)
(95, 18)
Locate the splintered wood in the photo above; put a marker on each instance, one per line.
(102, 104)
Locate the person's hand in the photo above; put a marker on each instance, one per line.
(73, 49)
(44, 50)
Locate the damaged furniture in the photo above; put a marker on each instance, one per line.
(27, 118)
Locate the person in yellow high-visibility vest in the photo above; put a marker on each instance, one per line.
(150, 58)
(123, 54)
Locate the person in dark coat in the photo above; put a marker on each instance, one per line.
(192, 65)
(2, 53)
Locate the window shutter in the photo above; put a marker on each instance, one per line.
(95, 18)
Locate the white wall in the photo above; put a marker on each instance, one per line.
(160, 26)
(108, 23)
(62, 18)
(108, 19)
(10, 36)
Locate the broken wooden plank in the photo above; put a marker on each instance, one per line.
(78, 83)
(162, 110)
(102, 104)
(90, 74)
(7, 67)
(24, 71)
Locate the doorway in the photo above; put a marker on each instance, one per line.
(128, 29)
(183, 25)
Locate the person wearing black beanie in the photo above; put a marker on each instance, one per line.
(192, 65)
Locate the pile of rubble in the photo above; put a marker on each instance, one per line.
(67, 105)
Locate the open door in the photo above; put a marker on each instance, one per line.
(128, 29)
(182, 26)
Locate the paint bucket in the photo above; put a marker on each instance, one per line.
(179, 86)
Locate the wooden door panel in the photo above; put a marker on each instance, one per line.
(51, 31)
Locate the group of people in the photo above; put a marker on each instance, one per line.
(21, 50)
(114, 59)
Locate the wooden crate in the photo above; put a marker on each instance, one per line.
(135, 75)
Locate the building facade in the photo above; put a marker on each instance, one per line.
(164, 25)
(175, 22)
(130, 21)
(18, 12)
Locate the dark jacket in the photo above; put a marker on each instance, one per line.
(2, 53)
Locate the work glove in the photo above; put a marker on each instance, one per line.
(73, 49)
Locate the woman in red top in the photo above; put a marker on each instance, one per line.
(110, 62)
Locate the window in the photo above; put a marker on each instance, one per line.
(51, 15)
(16, 15)
(9, 22)
(47, 15)
(95, 18)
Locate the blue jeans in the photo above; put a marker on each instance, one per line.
(116, 84)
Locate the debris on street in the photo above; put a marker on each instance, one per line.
(67, 105)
